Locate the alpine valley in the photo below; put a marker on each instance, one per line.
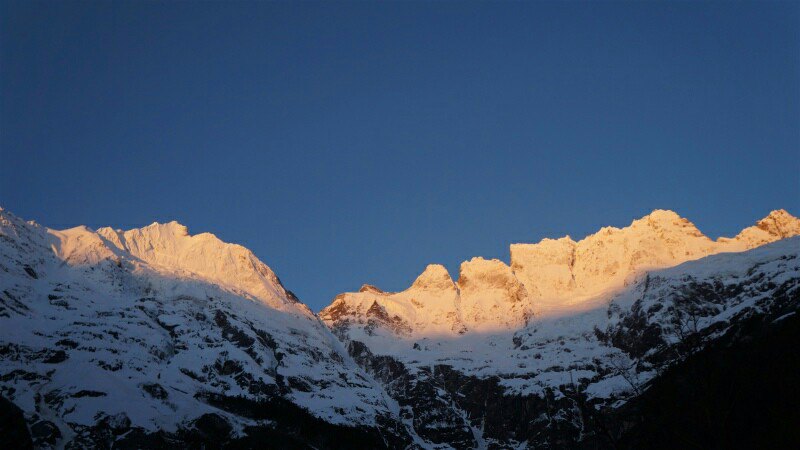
(648, 336)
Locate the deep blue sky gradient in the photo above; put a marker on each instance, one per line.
(350, 143)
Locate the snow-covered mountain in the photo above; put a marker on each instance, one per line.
(153, 337)
(550, 278)
(109, 333)
(496, 358)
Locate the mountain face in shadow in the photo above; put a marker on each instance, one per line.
(649, 336)
(734, 393)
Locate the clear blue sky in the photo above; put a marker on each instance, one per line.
(350, 143)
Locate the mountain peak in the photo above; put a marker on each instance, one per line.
(370, 288)
(171, 247)
(778, 224)
(172, 227)
(491, 295)
(667, 219)
(663, 214)
(492, 271)
(434, 277)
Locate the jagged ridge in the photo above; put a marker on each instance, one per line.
(554, 276)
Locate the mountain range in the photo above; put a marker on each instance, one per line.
(647, 336)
